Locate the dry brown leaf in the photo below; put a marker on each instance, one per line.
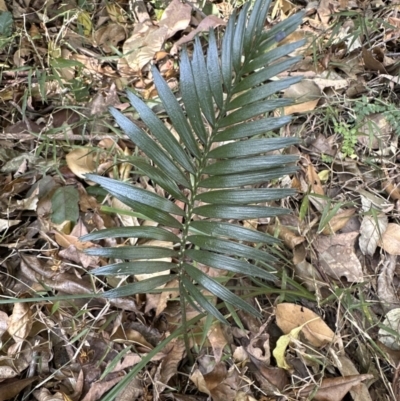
(307, 274)
(169, 365)
(211, 21)
(314, 180)
(108, 36)
(7, 372)
(373, 61)
(334, 389)
(338, 221)
(289, 316)
(20, 322)
(390, 240)
(148, 39)
(371, 230)
(290, 238)
(301, 107)
(359, 392)
(217, 340)
(324, 11)
(9, 390)
(386, 291)
(81, 161)
(337, 256)
(220, 384)
(97, 389)
(43, 394)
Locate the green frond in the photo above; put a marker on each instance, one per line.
(216, 163)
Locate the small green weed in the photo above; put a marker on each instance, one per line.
(364, 108)
(349, 135)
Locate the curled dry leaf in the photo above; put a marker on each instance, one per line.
(169, 364)
(290, 316)
(258, 347)
(388, 336)
(338, 221)
(305, 271)
(306, 94)
(337, 256)
(371, 230)
(385, 288)
(220, 384)
(289, 237)
(20, 322)
(148, 39)
(217, 340)
(7, 372)
(333, 388)
(10, 390)
(359, 391)
(211, 21)
(390, 240)
(109, 36)
(81, 161)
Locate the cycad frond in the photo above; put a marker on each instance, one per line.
(226, 97)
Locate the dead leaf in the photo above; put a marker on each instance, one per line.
(9, 390)
(81, 161)
(390, 240)
(392, 322)
(148, 39)
(97, 389)
(359, 392)
(217, 340)
(108, 36)
(314, 180)
(386, 291)
(337, 257)
(20, 322)
(43, 394)
(335, 388)
(219, 383)
(324, 11)
(290, 238)
(371, 230)
(169, 365)
(211, 21)
(289, 316)
(338, 221)
(307, 274)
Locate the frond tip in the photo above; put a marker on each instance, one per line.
(217, 166)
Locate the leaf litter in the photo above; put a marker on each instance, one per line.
(62, 68)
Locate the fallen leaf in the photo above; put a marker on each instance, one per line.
(290, 238)
(388, 336)
(290, 316)
(386, 291)
(20, 322)
(390, 240)
(217, 340)
(307, 274)
(81, 161)
(148, 39)
(337, 257)
(335, 388)
(338, 221)
(211, 21)
(169, 365)
(371, 230)
(14, 388)
(359, 392)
